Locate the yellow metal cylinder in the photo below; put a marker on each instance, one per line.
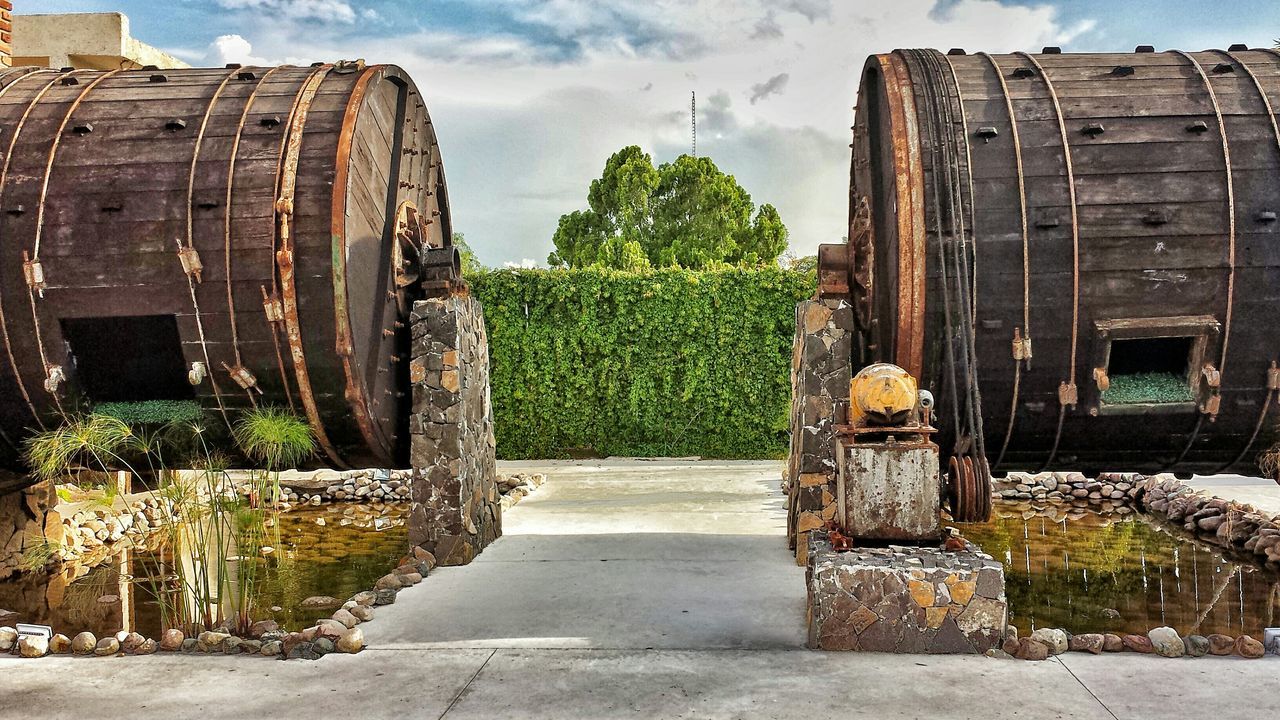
(882, 394)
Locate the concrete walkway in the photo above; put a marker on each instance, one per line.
(630, 589)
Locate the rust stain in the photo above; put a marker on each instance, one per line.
(909, 194)
(284, 260)
(344, 344)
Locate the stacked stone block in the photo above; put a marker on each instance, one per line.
(904, 599)
(6, 33)
(456, 511)
(23, 515)
(821, 368)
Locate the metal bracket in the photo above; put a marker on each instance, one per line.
(190, 260)
(33, 271)
(1068, 394)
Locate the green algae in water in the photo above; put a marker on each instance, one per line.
(151, 412)
(347, 554)
(1069, 574)
(1141, 388)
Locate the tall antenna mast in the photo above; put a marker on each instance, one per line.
(693, 114)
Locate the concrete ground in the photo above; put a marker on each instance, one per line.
(630, 589)
(1262, 493)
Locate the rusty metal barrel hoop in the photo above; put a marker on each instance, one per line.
(285, 262)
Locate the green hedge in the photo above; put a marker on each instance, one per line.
(663, 363)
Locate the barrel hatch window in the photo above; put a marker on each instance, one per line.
(1150, 365)
(131, 359)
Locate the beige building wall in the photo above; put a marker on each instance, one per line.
(89, 41)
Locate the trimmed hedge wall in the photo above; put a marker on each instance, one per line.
(665, 363)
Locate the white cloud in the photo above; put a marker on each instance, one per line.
(527, 120)
(338, 11)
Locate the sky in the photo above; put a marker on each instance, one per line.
(530, 97)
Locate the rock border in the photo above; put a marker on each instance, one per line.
(1162, 641)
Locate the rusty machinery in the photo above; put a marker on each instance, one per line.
(888, 484)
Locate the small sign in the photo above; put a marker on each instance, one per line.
(1271, 640)
(40, 631)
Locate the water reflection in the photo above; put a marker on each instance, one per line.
(1121, 573)
(334, 550)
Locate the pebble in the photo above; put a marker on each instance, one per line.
(8, 638)
(107, 646)
(190, 645)
(364, 598)
(1112, 643)
(390, 581)
(346, 618)
(1247, 647)
(1166, 642)
(271, 649)
(84, 643)
(386, 596)
(363, 613)
(322, 646)
(33, 646)
(352, 641)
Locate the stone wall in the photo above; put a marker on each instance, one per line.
(904, 599)
(821, 368)
(22, 518)
(456, 511)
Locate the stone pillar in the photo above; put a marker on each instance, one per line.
(904, 599)
(821, 368)
(456, 511)
(22, 523)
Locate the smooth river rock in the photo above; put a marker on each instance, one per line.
(1138, 643)
(30, 646)
(84, 643)
(1166, 642)
(352, 641)
(1087, 642)
(171, 640)
(60, 644)
(1052, 638)
(1220, 644)
(1196, 645)
(1247, 647)
(107, 646)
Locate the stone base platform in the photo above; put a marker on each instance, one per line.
(904, 599)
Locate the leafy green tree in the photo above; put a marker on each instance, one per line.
(470, 263)
(686, 213)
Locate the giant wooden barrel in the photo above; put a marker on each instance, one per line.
(243, 236)
(1078, 254)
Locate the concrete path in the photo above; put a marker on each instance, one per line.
(630, 589)
(1262, 493)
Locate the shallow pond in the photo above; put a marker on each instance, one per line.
(335, 550)
(1087, 572)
